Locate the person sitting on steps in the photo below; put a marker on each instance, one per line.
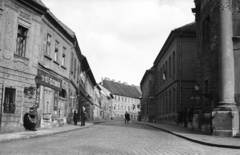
(29, 122)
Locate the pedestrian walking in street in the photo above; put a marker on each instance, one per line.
(127, 117)
(75, 117)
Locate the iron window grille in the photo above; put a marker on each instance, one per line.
(9, 100)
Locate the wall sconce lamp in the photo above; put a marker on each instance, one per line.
(37, 80)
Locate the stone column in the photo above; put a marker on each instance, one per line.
(225, 117)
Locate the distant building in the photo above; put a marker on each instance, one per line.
(106, 99)
(126, 98)
(148, 112)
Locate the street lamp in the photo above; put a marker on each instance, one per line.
(37, 80)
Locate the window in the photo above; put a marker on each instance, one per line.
(63, 56)
(21, 41)
(48, 46)
(170, 67)
(173, 101)
(206, 30)
(63, 59)
(161, 76)
(173, 63)
(9, 100)
(166, 65)
(170, 101)
(74, 69)
(72, 64)
(56, 51)
(78, 73)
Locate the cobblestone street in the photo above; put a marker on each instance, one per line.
(113, 138)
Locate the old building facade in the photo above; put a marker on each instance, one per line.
(20, 33)
(148, 111)
(173, 74)
(126, 98)
(88, 85)
(55, 84)
(40, 67)
(218, 67)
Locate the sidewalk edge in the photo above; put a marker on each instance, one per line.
(191, 139)
(42, 135)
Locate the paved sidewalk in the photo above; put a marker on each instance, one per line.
(7, 137)
(196, 136)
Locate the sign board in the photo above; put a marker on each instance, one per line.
(49, 80)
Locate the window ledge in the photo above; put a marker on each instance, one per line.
(48, 57)
(22, 58)
(56, 62)
(64, 67)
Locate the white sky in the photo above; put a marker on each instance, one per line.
(122, 38)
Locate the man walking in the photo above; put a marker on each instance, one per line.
(127, 117)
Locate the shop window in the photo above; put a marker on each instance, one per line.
(62, 93)
(21, 41)
(9, 100)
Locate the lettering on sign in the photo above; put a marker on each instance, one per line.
(50, 80)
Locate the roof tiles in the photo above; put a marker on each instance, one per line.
(121, 89)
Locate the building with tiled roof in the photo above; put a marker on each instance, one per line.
(126, 98)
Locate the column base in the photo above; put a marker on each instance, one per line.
(225, 121)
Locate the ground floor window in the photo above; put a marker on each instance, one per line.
(9, 100)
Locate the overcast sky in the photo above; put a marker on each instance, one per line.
(121, 38)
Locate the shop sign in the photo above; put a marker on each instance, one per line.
(55, 100)
(49, 80)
